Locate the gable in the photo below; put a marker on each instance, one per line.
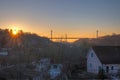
(92, 55)
(93, 62)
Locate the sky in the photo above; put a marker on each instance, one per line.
(76, 18)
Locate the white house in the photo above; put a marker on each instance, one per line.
(43, 64)
(3, 52)
(55, 70)
(3, 55)
(103, 57)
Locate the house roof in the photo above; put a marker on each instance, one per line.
(108, 54)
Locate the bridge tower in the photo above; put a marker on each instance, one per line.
(51, 34)
(97, 34)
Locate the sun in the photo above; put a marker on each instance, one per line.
(14, 31)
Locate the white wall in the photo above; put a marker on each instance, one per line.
(5, 53)
(116, 67)
(93, 63)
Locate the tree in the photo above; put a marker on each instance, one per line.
(101, 74)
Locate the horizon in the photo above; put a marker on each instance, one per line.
(69, 39)
(76, 18)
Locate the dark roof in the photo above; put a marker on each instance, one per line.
(108, 54)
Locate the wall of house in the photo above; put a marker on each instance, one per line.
(5, 53)
(93, 63)
(113, 68)
(43, 65)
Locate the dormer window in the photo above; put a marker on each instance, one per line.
(91, 54)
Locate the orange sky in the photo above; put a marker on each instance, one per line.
(62, 33)
(76, 18)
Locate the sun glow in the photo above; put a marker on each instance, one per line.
(15, 31)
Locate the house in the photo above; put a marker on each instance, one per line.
(3, 58)
(103, 57)
(55, 70)
(43, 65)
(3, 52)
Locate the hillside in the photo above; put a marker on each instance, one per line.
(7, 39)
(111, 40)
(27, 47)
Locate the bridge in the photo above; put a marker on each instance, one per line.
(66, 38)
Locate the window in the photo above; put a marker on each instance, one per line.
(112, 68)
(55, 66)
(107, 69)
(91, 54)
(99, 67)
(90, 65)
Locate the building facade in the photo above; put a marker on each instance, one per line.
(104, 57)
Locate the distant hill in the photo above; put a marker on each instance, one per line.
(34, 40)
(110, 40)
(22, 39)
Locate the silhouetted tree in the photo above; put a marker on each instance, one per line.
(101, 74)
